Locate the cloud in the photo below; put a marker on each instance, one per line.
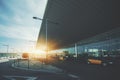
(18, 32)
(17, 27)
(20, 24)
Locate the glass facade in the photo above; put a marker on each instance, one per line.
(106, 42)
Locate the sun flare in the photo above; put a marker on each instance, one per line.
(38, 54)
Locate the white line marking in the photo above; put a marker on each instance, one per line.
(24, 77)
(73, 76)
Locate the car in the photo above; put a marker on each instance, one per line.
(101, 61)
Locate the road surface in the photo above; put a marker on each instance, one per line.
(9, 73)
(74, 71)
(90, 72)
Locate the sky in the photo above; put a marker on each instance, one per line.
(17, 27)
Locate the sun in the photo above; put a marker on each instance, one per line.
(39, 51)
(38, 54)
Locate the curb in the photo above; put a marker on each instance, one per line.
(47, 71)
(42, 70)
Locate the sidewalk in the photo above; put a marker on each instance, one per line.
(35, 65)
(3, 60)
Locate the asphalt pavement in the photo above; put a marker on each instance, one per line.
(7, 72)
(90, 72)
(73, 71)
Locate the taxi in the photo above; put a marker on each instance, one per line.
(104, 61)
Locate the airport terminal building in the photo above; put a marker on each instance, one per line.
(104, 43)
(81, 26)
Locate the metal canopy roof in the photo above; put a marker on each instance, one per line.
(77, 20)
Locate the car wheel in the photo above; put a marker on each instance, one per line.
(104, 64)
(88, 62)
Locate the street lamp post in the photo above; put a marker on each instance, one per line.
(46, 25)
(7, 47)
(33, 43)
(46, 37)
(46, 20)
(76, 52)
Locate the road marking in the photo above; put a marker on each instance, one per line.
(21, 77)
(73, 76)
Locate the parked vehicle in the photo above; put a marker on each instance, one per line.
(104, 59)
